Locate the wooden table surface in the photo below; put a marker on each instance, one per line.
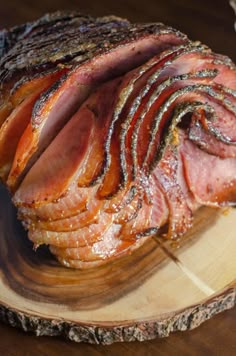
(210, 21)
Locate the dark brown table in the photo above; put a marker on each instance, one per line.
(211, 21)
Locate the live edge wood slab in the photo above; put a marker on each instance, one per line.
(212, 23)
(159, 289)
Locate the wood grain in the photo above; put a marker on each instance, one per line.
(212, 22)
(153, 292)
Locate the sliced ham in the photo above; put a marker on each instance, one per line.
(56, 175)
(112, 133)
(23, 99)
(86, 236)
(26, 85)
(120, 200)
(84, 218)
(58, 104)
(109, 248)
(167, 173)
(11, 131)
(211, 179)
(209, 143)
(129, 212)
(73, 201)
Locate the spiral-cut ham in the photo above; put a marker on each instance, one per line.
(20, 103)
(111, 133)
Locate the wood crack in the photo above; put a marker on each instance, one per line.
(198, 282)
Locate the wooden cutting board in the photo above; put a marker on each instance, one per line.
(159, 289)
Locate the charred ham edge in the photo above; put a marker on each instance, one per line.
(151, 101)
(54, 180)
(128, 92)
(213, 187)
(137, 103)
(29, 83)
(48, 120)
(29, 141)
(85, 236)
(8, 38)
(129, 212)
(191, 92)
(142, 98)
(26, 86)
(125, 91)
(11, 131)
(171, 136)
(211, 96)
(74, 38)
(15, 124)
(117, 159)
(132, 228)
(176, 195)
(224, 133)
(206, 141)
(154, 104)
(54, 184)
(121, 200)
(210, 92)
(165, 59)
(166, 175)
(74, 199)
(147, 46)
(151, 217)
(102, 110)
(169, 169)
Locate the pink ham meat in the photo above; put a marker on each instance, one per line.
(73, 140)
(73, 201)
(85, 236)
(23, 99)
(211, 179)
(57, 105)
(123, 137)
(110, 247)
(209, 143)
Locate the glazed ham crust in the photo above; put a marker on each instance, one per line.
(112, 132)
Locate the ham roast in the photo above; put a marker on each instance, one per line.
(112, 132)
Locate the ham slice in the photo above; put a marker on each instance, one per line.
(86, 236)
(23, 99)
(211, 179)
(85, 218)
(109, 248)
(73, 201)
(209, 143)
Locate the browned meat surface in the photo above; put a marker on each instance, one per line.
(112, 132)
